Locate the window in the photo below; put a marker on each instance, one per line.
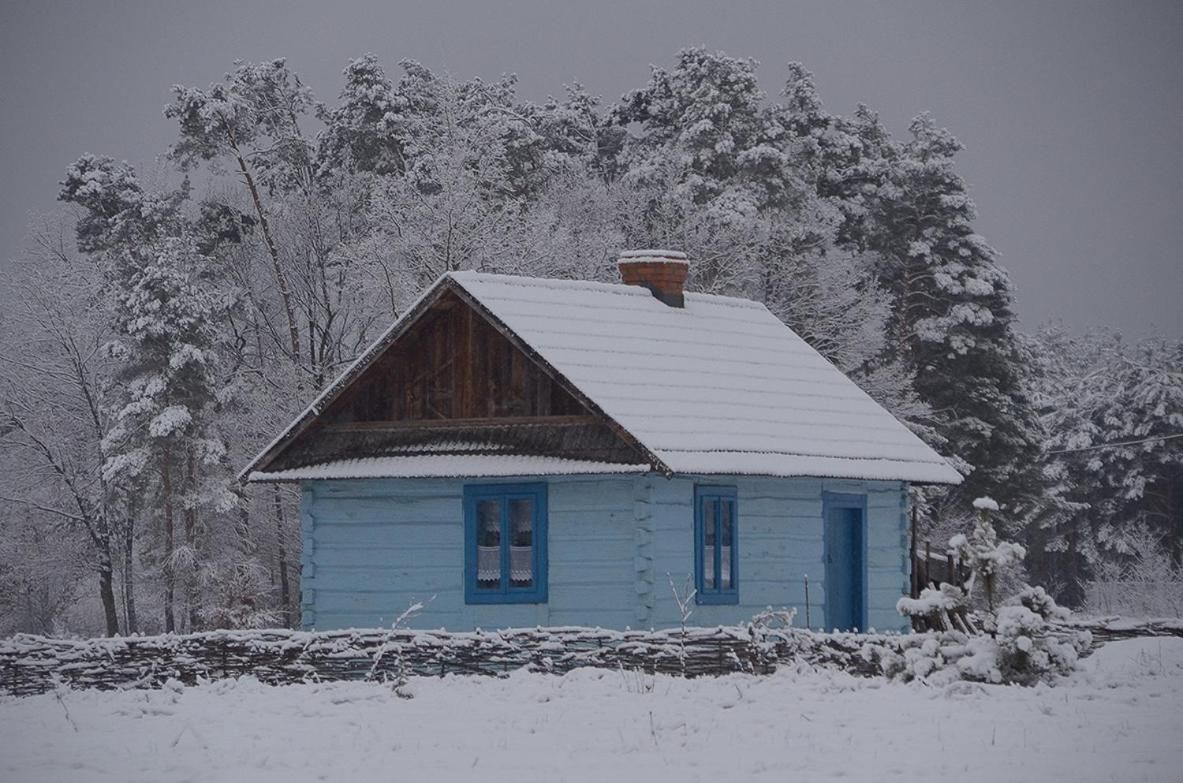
(716, 555)
(505, 544)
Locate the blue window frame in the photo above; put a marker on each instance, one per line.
(716, 550)
(505, 544)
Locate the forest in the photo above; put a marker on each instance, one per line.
(166, 324)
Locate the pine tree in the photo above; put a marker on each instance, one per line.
(951, 319)
(367, 130)
(712, 115)
(165, 309)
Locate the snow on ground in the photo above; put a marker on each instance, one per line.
(1115, 720)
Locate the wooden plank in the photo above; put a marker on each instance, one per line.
(542, 394)
(465, 360)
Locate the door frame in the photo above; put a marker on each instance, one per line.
(846, 500)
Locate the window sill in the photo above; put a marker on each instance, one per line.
(478, 599)
(716, 599)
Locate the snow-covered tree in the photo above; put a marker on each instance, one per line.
(165, 307)
(367, 131)
(951, 321)
(1111, 413)
(990, 560)
(713, 169)
(63, 518)
(251, 119)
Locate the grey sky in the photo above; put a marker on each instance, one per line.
(1072, 112)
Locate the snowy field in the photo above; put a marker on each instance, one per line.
(1115, 720)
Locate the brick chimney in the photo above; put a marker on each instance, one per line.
(663, 272)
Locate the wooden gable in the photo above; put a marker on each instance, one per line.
(455, 382)
(452, 364)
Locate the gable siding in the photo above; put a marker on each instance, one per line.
(452, 364)
(372, 548)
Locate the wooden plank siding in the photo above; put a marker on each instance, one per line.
(371, 548)
(452, 364)
(455, 383)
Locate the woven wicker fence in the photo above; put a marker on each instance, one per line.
(35, 664)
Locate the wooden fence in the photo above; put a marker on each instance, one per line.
(35, 664)
(929, 570)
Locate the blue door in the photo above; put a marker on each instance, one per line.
(845, 563)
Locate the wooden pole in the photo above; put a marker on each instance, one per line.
(912, 553)
(807, 623)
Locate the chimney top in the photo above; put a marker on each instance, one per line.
(663, 272)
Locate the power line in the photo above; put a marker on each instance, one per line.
(1115, 444)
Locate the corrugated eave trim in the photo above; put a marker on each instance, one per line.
(545, 466)
(309, 473)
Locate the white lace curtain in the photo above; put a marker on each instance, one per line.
(708, 566)
(521, 563)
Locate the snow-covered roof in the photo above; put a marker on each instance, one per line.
(720, 386)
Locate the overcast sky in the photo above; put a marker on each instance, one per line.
(1071, 112)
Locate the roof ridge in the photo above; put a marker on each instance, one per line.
(527, 281)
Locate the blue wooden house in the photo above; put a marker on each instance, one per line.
(534, 452)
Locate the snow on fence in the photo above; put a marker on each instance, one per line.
(1110, 629)
(34, 664)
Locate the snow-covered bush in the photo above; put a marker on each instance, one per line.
(775, 618)
(1039, 601)
(938, 606)
(993, 564)
(1013, 643)
(1021, 651)
(989, 559)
